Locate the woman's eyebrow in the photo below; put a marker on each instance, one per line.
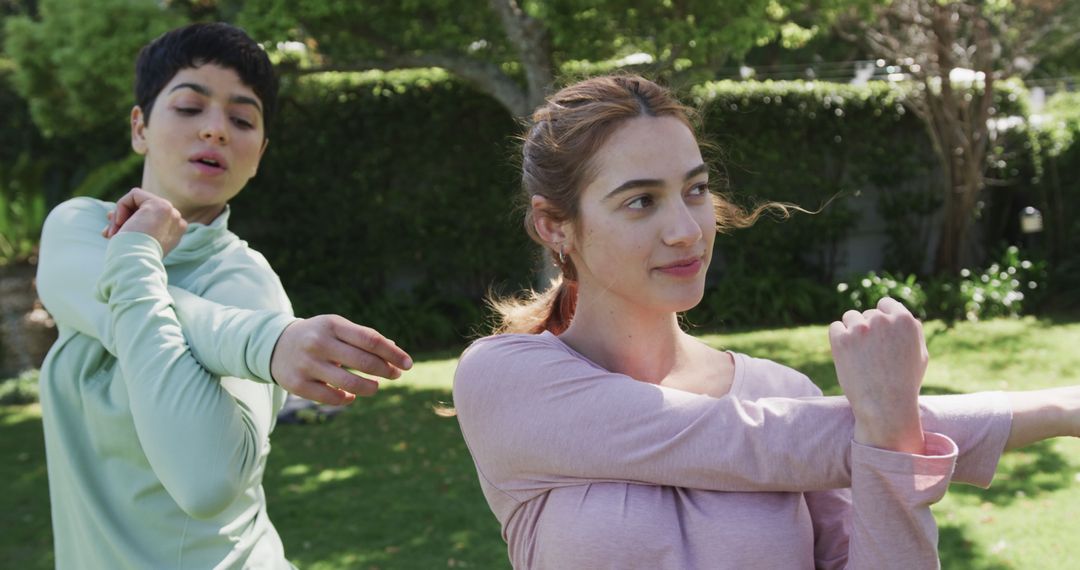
(205, 91)
(651, 182)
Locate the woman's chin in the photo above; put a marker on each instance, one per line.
(685, 303)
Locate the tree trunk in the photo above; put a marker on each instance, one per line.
(26, 330)
(958, 124)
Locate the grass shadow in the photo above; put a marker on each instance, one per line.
(1024, 473)
(1000, 343)
(956, 550)
(385, 484)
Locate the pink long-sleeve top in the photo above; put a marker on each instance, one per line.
(586, 468)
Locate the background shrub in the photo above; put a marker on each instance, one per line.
(1006, 288)
(863, 294)
(23, 389)
(387, 199)
(822, 146)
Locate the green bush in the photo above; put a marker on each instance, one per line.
(762, 297)
(862, 294)
(38, 172)
(22, 204)
(1056, 192)
(388, 199)
(821, 146)
(1000, 290)
(22, 389)
(1004, 289)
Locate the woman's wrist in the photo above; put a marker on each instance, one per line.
(894, 429)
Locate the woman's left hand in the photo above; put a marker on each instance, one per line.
(881, 357)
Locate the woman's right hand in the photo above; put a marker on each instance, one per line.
(881, 357)
(313, 358)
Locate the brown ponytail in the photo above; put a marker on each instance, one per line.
(549, 310)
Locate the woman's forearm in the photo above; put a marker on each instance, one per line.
(1043, 414)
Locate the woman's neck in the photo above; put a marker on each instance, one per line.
(645, 345)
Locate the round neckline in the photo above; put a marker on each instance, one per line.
(737, 361)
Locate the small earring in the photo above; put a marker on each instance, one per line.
(562, 257)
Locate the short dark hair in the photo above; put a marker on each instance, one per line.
(198, 44)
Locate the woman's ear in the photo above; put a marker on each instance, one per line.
(138, 130)
(557, 234)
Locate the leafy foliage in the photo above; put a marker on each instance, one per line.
(1003, 289)
(865, 293)
(22, 204)
(388, 200)
(398, 188)
(1055, 171)
(23, 389)
(1000, 290)
(75, 63)
(514, 50)
(818, 145)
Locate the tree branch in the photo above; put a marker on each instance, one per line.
(530, 38)
(485, 76)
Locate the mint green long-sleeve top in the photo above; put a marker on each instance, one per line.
(157, 398)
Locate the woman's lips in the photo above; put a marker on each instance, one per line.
(205, 168)
(682, 268)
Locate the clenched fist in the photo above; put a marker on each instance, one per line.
(881, 357)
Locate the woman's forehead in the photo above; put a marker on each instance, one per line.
(648, 147)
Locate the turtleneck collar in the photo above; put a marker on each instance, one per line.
(202, 240)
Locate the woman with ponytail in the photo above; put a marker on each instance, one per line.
(606, 437)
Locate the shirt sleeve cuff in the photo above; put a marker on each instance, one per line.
(929, 472)
(266, 344)
(133, 268)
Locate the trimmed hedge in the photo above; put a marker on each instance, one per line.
(818, 145)
(388, 201)
(389, 198)
(399, 188)
(1056, 169)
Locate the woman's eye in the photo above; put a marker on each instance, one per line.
(699, 190)
(640, 203)
(243, 123)
(188, 110)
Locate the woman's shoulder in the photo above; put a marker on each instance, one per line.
(78, 211)
(511, 350)
(508, 363)
(764, 378)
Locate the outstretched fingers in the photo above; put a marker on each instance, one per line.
(370, 341)
(323, 393)
(349, 356)
(322, 357)
(339, 377)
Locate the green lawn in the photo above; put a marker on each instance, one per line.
(389, 484)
